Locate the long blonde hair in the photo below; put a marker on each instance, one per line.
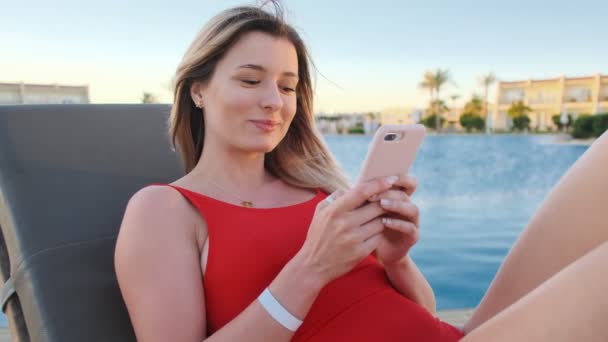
(301, 158)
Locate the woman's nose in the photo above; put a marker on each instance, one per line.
(272, 100)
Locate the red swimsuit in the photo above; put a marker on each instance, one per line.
(248, 247)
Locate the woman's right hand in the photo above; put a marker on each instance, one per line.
(344, 231)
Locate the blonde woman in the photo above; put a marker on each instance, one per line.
(248, 246)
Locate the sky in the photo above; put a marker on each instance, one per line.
(370, 55)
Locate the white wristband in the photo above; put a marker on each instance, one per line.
(278, 312)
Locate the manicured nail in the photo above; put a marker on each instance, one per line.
(385, 202)
(391, 180)
(386, 220)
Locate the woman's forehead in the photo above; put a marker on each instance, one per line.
(273, 54)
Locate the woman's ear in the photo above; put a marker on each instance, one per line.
(196, 92)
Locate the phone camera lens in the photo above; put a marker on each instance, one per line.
(390, 137)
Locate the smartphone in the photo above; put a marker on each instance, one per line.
(391, 151)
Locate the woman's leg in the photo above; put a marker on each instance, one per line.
(572, 221)
(571, 306)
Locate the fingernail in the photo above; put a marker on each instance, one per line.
(391, 180)
(386, 220)
(385, 202)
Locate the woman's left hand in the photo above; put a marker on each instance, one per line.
(401, 221)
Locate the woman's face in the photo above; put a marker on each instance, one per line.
(250, 100)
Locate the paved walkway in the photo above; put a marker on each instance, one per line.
(455, 317)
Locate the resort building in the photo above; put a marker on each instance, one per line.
(452, 120)
(24, 93)
(410, 115)
(548, 97)
(345, 123)
(399, 115)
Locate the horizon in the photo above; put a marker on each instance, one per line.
(369, 56)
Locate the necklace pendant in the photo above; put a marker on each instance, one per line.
(247, 204)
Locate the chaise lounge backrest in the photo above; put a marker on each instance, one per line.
(66, 174)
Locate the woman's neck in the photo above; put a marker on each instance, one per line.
(238, 172)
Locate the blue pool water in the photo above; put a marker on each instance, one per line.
(476, 194)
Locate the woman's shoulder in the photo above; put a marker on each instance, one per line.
(158, 209)
(157, 198)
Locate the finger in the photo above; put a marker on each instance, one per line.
(365, 214)
(406, 209)
(330, 199)
(405, 227)
(369, 245)
(408, 183)
(358, 195)
(370, 229)
(393, 194)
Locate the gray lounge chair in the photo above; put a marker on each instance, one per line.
(66, 174)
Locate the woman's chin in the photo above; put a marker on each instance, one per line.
(262, 147)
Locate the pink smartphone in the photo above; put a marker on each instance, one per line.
(392, 151)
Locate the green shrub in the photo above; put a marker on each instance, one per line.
(356, 130)
(582, 128)
(521, 122)
(429, 121)
(557, 120)
(472, 121)
(600, 124)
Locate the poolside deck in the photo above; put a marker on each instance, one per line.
(454, 317)
(4, 336)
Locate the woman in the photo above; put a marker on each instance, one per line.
(249, 246)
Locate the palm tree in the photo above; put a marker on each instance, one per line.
(454, 97)
(428, 82)
(519, 114)
(438, 107)
(474, 106)
(452, 110)
(441, 78)
(487, 81)
(434, 81)
(149, 98)
(518, 108)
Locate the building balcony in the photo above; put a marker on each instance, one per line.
(541, 102)
(584, 106)
(578, 99)
(554, 106)
(508, 101)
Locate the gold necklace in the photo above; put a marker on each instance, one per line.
(244, 203)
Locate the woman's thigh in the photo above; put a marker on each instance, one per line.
(571, 221)
(572, 305)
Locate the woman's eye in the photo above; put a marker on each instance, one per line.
(288, 89)
(251, 82)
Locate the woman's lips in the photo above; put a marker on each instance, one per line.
(265, 125)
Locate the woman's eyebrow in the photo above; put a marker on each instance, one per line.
(261, 68)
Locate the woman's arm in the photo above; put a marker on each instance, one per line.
(159, 272)
(409, 281)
